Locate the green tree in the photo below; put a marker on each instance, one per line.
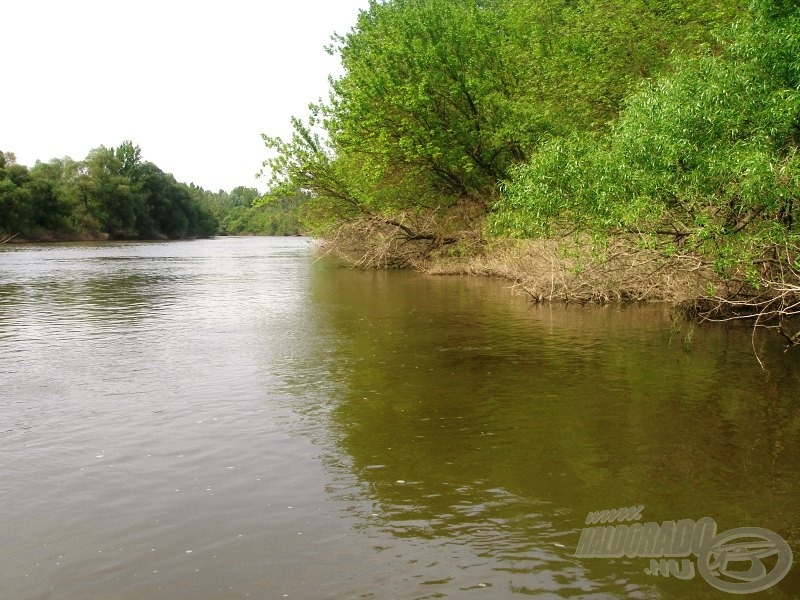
(707, 153)
(61, 209)
(14, 198)
(113, 191)
(111, 197)
(441, 99)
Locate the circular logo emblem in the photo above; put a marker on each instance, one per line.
(733, 561)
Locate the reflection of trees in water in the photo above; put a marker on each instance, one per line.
(117, 296)
(456, 412)
(90, 294)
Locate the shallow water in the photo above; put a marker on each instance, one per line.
(230, 419)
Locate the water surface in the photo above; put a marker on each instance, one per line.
(230, 419)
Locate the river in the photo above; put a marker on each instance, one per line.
(231, 418)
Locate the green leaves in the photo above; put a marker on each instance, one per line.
(708, 152)
(432, 109)
(111, 192)
(442, 100)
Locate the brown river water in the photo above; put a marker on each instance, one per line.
(232, 419)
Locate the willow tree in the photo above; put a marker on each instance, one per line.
(441, 98)
(706, 151)
(431, 110)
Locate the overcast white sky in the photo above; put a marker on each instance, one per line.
(194, 84)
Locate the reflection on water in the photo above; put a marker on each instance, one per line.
(230, 419)
(484, 430)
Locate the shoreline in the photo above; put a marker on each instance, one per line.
(577, 269)
(550, 270)
(104, 237)
(569, 269)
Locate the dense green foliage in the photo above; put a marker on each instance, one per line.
(112, 192)
(677, 121)
(441, 98)
(237, 214)
(706, 153)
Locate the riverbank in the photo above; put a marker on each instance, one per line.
(58, 237)
(575, 271)
(53, 237)
(589, 270)
(621, 270)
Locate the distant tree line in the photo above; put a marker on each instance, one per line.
(114, 194)
(237, 212)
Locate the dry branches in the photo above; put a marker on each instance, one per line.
(575, 270)
(774, 304)
(404, 240)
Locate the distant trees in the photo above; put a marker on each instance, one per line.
(112, 192)
(237, 212)
(26, 199)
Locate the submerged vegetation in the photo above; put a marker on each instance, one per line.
(615, 134)
(114, 194)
